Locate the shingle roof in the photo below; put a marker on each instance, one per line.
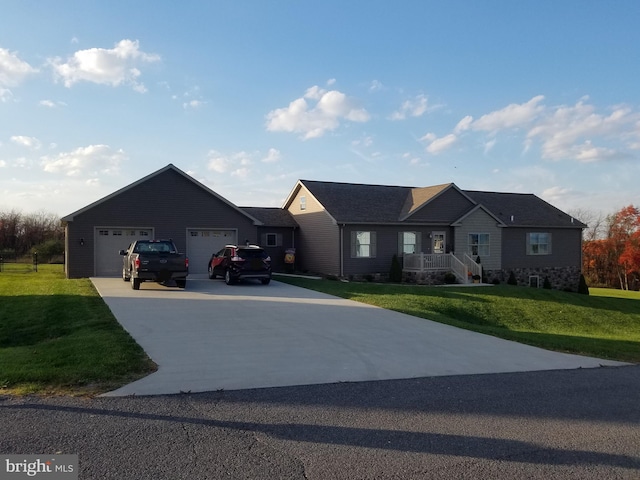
(523, 209)
(272, 216)
(352, 202)
(362, 203)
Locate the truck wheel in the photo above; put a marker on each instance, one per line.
(265, 281)
(124, 275)
(181, 283)
(135, 283)
(211, 274)
(228, 279)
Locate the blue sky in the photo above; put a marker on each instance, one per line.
(249, 96)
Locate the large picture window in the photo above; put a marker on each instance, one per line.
(479, 244)
(539, 243)
(363, 244)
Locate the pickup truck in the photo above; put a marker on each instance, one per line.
(154, 260)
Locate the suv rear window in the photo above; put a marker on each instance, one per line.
(251, 253)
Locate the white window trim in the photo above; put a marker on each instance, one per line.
(371, 245)
(487, 245)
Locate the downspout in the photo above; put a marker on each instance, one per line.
(342, 250)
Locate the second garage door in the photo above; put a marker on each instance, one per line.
(201, 243)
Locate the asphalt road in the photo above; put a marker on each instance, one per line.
(569, 424)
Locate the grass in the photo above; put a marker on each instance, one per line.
(57, 336)
(605, 324)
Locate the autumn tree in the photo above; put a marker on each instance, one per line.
(624, 238)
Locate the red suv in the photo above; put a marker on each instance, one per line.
(236, 263)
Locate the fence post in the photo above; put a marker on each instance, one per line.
(1, 263)
(35, 261)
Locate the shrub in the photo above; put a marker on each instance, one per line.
(512, 279)
(546, 284)
(449, 278)
(582, 286)
(395, 273)
(496, 281)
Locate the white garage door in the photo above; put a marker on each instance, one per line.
(109, 241)
(201, 243)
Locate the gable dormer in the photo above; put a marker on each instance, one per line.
(438, 204)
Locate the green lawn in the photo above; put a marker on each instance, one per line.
(605, 324)
(58, 336)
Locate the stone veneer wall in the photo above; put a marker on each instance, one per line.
(561, 278)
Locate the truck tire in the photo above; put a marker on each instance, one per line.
(181, 282)
(125, 277)
(265, 281)
(135, 283)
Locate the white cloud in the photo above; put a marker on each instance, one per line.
(415, 107)
(464, 124)
(312, 121)
(114, 67)
(28, 142)
(92, 160)
(192, 104)
(569, 132)
(511, 116)
(12, 72)
(439, 145)
(375, 86)
(236, 164)
(273, 156)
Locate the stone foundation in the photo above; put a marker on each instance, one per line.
(560, 278)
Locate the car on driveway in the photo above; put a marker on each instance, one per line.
(235, 263)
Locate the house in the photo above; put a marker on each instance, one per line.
(354, 230)
(342, 229)
(165, 204)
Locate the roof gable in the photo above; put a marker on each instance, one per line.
(162, 171)
(356, 203)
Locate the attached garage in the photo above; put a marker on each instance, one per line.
(201, 243)
(109, 241)
(167, 204)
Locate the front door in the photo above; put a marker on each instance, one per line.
(437, 242)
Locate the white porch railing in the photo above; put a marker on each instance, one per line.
(464, 269)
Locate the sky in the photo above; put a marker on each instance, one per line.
(249, 96)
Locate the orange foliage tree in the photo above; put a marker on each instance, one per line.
(615, 260)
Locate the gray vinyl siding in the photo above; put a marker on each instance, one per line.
(386, 247)
(319, 241)
(566, 248)
(481, 222)
(288, 239)
(168, 202)
(446, 208)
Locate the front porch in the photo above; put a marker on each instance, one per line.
(464, 268)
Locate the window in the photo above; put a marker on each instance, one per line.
(103, 232)
(144, 233)
(363, 244)
(303, 203)
(408, 243)
(539, 243)
(271, 240)
(479, 244)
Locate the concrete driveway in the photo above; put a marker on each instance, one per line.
(212, 336)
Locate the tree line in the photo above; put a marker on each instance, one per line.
(611, 248)
(24, 234)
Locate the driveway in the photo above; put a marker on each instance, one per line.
(211, 336)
